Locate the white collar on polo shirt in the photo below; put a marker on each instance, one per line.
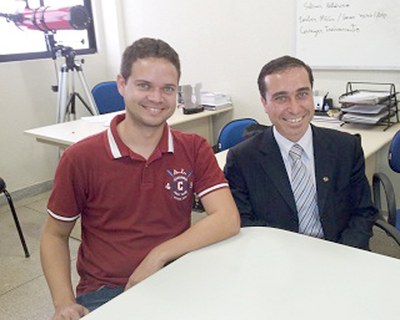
(116, 153)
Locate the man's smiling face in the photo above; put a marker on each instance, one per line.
(289, 102)
(150, 91)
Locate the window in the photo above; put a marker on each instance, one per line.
(69, 23)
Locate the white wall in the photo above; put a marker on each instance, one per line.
(221, 43)
(225, 43)
(26, 101)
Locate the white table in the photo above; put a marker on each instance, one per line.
(67, 133)
(265, 273)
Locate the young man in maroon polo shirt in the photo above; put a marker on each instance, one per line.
(132, 186)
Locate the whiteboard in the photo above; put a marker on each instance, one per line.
(352, 34)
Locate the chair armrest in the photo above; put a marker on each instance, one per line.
(379, 179)
(389, 229)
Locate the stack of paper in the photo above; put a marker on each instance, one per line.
(365, 109)
(366, 119)
(326, 119)
(365, 113)
(215, 100)
(364, 97)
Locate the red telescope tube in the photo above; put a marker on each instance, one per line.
(50, 19)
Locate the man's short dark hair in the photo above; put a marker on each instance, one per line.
(281, 64)
(148, 48)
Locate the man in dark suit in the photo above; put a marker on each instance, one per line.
(261, 170)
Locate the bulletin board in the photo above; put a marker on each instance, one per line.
(352, 34)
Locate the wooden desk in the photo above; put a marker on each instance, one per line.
(265, 273)
(67, 133)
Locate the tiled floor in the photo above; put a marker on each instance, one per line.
(23, 290)
(24, 294)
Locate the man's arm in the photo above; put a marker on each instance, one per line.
(56, 264)
(234, 175)
(222, 221)
(364, 215)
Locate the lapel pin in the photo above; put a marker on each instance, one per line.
(325, 179)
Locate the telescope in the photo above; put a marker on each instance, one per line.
(48, 19)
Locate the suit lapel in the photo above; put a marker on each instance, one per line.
(272, 164)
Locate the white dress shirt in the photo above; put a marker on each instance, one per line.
(306, 142)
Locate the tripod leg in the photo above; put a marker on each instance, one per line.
(92, 105)
(63, 94)
(70, 107)
(72, 110)
(14, 213)
(85, 104)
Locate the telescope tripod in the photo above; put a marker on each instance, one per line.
(66, 100)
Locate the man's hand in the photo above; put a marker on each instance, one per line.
(70, 312)
(151, 264)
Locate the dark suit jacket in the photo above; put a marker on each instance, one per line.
(261, 187)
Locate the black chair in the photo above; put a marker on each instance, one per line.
(391, 224)
(14, 213)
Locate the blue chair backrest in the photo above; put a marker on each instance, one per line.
(394, 153)
(233, 133)
(107, 97)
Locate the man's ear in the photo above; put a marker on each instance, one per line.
(121, 84)
(264, 103)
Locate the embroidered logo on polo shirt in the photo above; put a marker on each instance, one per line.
(180, 184)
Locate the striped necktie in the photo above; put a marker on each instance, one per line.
(305, 195)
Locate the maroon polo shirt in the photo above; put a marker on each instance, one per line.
(129, 205)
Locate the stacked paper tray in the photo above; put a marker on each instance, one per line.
(366, 119)
(365, 109)
(364, 97)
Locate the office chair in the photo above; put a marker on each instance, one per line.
(233, 133)
(391, 225)
(230, 135)
(107, 97)
(14, 213)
